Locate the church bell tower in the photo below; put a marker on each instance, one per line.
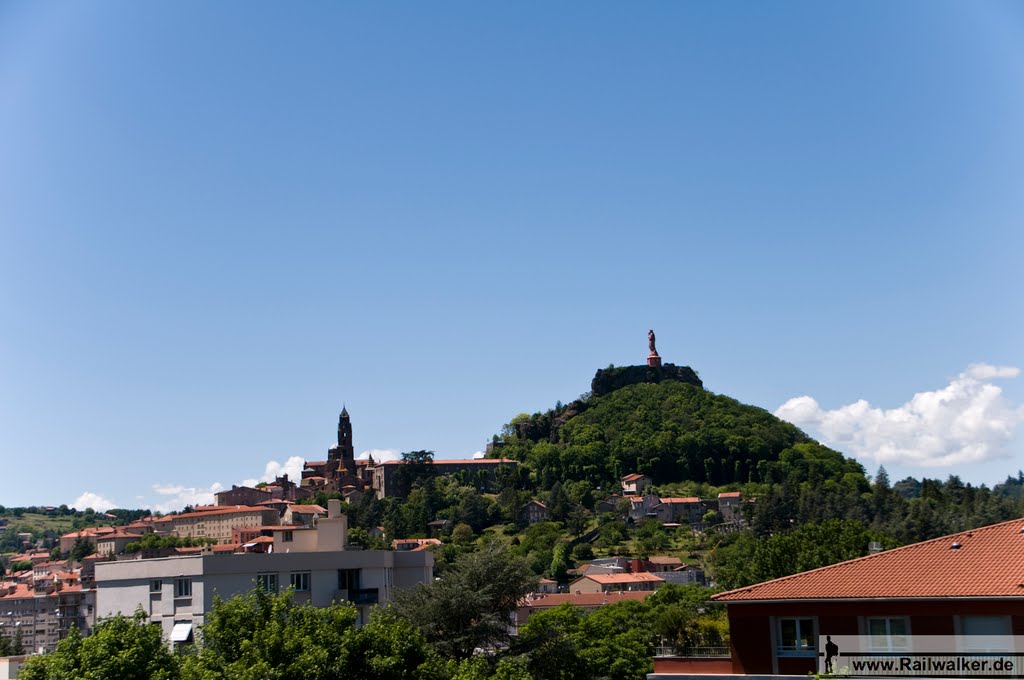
(345, 450)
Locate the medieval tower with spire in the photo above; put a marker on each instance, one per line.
(340, 470)
(343, 452)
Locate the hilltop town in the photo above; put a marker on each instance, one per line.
(650, 483)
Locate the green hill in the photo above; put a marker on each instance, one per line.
(674, 431)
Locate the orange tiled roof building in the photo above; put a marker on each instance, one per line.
(955, 585)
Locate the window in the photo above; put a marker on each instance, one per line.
(182, 587)
(348, 579)
(286, 537)
(985, 633)
(267, 582)
(797, 638)
(300, 581)
(887, 634)
(156, 585)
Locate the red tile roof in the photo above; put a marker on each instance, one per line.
(20, 590)
(633, 477)
(308, 510)
(613, 579)
(221, 510)
(989, 562)
(688, 499)
(729, 494)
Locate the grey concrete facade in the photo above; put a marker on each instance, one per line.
(174, 590)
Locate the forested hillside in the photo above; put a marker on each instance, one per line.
(672, 431)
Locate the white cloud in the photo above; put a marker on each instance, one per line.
(291, 467)
(92, 500)
(177, 497)
(380, 455)
(478, 455)
(967, 421)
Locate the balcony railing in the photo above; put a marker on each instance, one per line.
(358, 596)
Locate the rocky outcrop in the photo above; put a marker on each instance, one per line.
(616, 377)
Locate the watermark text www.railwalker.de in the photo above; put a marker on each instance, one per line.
(932, 665)
(908, 656)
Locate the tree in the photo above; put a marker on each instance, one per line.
(82, 548)
(389, 648)
(472, 605)
(417, 468)
(462, 534)
(259, 635)
(651, 536)
(122, 647)
(558, 503)
(576, 522)
(747, 560)
(582, 552)
(565, 643)
(560, 563)
(684, 618)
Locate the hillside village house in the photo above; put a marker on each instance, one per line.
(302, 515)
(642, 507)
(970, 583)
(634, 484)
(610, 583)
(533, 512)
(177, 592)
(729, 503)
(689, 509)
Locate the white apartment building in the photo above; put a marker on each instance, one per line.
(177, 592)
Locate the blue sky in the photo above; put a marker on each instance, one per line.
(220, 223)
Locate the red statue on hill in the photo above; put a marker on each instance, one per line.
(653, 360)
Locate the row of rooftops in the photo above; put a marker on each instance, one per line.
(143, 526)
(47, 578)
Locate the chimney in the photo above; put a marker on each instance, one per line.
(332, 531)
